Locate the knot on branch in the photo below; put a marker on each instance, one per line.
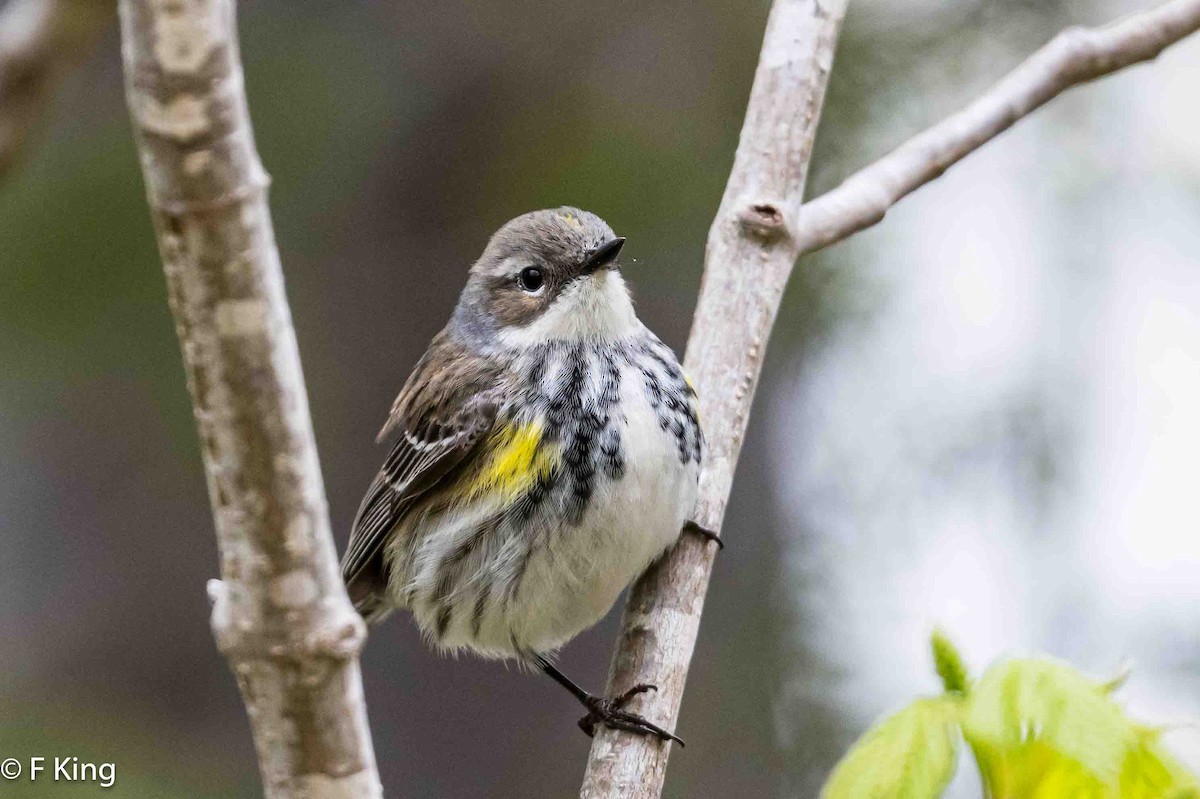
(1075, 43)
(330, 630)
(340, 636)
(764, 220)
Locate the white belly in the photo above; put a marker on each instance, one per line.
(574, 576)
(629, 523)
(532, 582)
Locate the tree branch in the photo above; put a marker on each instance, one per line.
(40, 40)
(280, 615)
(751, 251)
(1075, 56)
(759, 232)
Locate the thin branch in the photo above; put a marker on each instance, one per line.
(1075, 56)
(759, 232)
(40, 41)
(280, 615)
(749, 257)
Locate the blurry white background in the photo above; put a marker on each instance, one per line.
(1002, 440)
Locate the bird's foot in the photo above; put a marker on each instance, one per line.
(610, 711)
(708, 535)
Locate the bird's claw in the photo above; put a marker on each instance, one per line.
(610, 711)
(708, 535)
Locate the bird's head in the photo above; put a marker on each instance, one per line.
(549, 275)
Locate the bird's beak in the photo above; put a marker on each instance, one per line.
(603, 256)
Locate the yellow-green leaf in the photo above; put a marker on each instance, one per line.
(1150, 773)
(1039, 730)
(1044, 701)
(1033, 770)
(910, 755)
(949, 663)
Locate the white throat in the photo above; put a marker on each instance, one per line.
(597, 308)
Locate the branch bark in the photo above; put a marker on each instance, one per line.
(40, 40)
(280, 615)
(750, 254)
(759, 232)
(1075, 56)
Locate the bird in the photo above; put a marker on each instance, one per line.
(547, 450)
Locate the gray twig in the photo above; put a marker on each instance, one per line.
(280, 615)
(751, 251)
(759, 232)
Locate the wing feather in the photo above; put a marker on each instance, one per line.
(446, 409)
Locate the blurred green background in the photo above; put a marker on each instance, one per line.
(978, 414)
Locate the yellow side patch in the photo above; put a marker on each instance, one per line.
(515, 461)
(688, 379)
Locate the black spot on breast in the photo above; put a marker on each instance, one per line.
(537, 494)
(614, 459)
(670, 397)
(579, 386)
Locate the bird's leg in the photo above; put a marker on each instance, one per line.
(609, 711)
(696, 528)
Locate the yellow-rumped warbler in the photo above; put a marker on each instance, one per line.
(548, 451)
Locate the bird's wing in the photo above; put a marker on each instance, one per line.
(445, 410)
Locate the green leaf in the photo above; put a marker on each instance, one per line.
(949, 664)
(1034, 770)
(910, 755)
(1150, 773)
(1046, 702)
(1039, 729)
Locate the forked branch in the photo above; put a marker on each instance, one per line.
(280, 614)
(750, 254)
(759, 232)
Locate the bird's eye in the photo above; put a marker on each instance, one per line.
(530, 279)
